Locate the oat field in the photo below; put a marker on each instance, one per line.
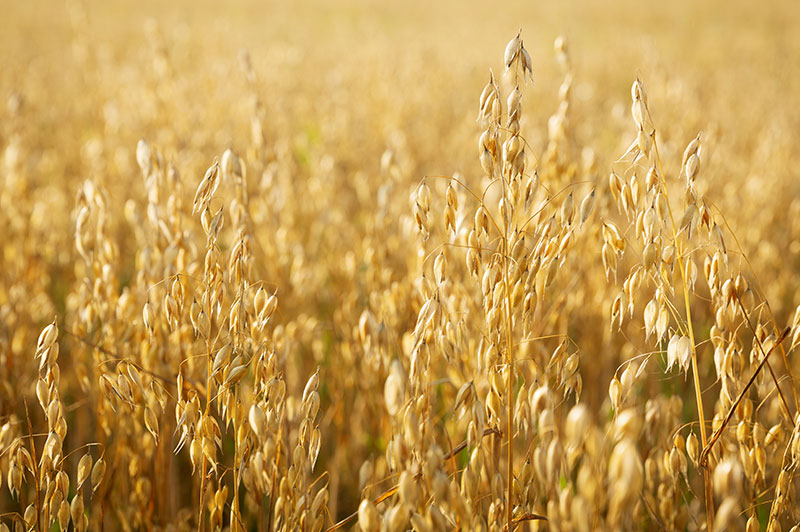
(372, 265)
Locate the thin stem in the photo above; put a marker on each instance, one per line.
(783, 402)
(35, 468)
(695, 371)
(236, 517)
(274, 486)
(509, 339)
(510, 392)
(707, 448)
(207, 409)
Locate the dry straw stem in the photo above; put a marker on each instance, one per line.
(695, 371)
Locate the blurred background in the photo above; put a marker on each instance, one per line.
(728, 68)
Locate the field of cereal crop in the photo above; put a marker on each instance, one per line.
(373, 265)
